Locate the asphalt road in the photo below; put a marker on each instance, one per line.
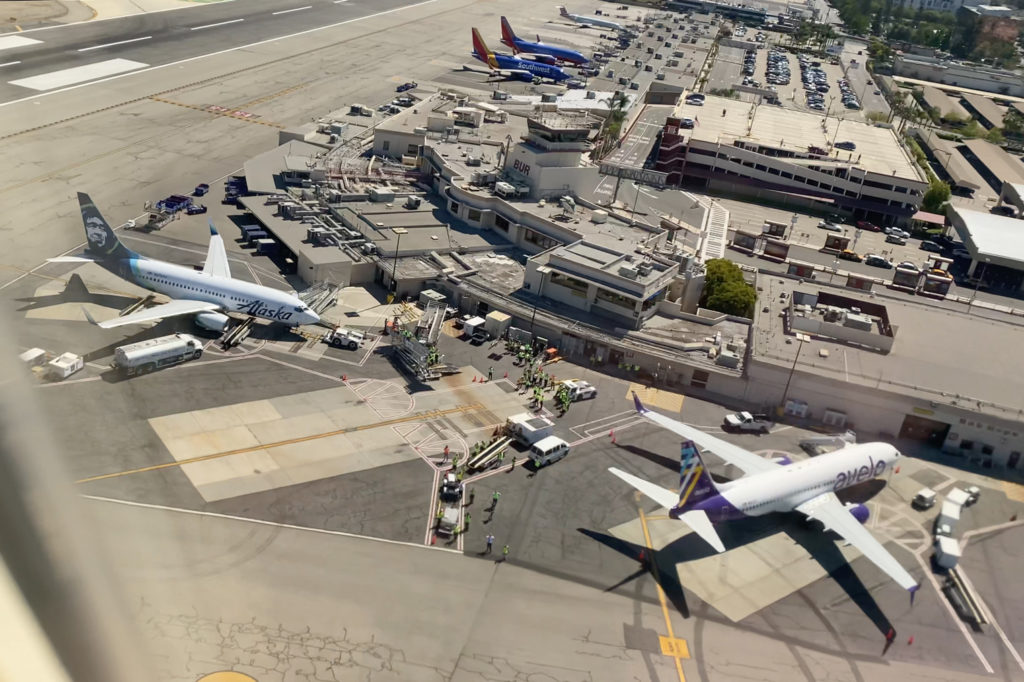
(162, 38)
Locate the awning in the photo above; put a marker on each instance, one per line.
(933, 218)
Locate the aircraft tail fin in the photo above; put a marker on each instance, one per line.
(508, 36)
(103, 243)
(695, 483)
(482, 52)
(562, 11)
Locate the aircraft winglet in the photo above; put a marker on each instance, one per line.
(639, 405)
(213, 230)
(913, 592)
(89, 317)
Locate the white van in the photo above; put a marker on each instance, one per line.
(548, 450)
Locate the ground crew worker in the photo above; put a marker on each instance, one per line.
(501, 457)
(490, 373)
(455, 461)
(490, 542)
(440, 512)
(468, 519)
(504, 553)
(513, 462)
(495, 496)
(458, 476)
(445, 453)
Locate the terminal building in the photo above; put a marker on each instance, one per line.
(790, 157)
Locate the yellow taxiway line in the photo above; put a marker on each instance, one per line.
(670, 646)
(302, 439)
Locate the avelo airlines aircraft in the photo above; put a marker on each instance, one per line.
(767, 486)
(208, 294)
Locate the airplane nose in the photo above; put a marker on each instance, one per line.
(313, 318)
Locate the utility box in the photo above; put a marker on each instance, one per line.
(428, 296)
(497, 323)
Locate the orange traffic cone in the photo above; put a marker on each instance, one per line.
(896, 470)
(506, 375)
(474, 378)
(344, 377)
(611, 433)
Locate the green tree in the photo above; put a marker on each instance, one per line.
(1013, 123)
(938, 194)
(733, 298)
(718, 271)
(995, 136)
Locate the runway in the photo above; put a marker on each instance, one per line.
(51, 59)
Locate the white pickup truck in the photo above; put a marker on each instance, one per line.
(747, 422)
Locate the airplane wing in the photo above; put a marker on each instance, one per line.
(216, 257)
(733, 454)
(72, 259)
(696, 519)
(157, 312)
(830, 511)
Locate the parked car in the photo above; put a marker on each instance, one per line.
(877, 261)
(847, 254)
(867, 225)
(961, 253)
(847, 145)
(830, 226)
(931, 246)
(1005, 210)
(907, 265)
(896, 239)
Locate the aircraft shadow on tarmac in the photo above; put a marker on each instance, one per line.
(75, 292)
(661, 564)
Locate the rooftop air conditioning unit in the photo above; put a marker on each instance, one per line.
(628, 272)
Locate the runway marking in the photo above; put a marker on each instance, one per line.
(11, 42)
(296, 9)
(119, 42)
(472, 407)
(9, 63)
(96, 21)
(219, 23)
(675, 651)
(77, 84)
(226, 113)
(261, 522)
(77, 74)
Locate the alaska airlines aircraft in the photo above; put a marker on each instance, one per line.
(513, 67)
(207, 294)
(528, 49)
(777, 485)
(590, 21)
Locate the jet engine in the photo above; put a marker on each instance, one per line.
(859, 511)
(215, 322)
(784, 461)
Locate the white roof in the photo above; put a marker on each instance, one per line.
(994, 235)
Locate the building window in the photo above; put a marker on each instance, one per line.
(537, 238)
(577, 286)
(412, 149)
(616, 299)
(501, 223)
(453, 207)
(473, 215)
(387, 145)
(700, 378)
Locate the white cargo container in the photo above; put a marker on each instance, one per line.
(529, 428)
(64, 366)
(146, 356)
(947, 551)
(33, 357)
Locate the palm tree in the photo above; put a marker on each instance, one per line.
(612, 126)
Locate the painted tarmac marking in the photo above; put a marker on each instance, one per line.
(677, 652)
(78, 74)
(11, 42)
(295, 9)
(119, 42)
(219, 23)
(302, 439)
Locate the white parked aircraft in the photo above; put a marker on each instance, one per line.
(590, 21)
(808, 486)
(208, 294)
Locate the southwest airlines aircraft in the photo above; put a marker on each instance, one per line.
(513, 67)
(590, 21)
(808, 487)
(207, 294)
(537, 50)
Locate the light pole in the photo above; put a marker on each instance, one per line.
(800, 340)
(394, 264)
(977, 284)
